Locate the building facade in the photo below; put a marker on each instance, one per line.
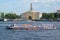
(31, 15)
(58, 11)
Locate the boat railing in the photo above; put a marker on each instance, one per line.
(30, 25)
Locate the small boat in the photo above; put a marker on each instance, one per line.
(30, 27)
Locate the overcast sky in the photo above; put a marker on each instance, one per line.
(20, 6)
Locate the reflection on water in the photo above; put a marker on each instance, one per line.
(6, 34)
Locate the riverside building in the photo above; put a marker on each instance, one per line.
(31, 14)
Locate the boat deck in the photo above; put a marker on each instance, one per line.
(32, 27)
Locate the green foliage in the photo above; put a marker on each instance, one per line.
(2, 14)
(58, 15)
(44, 16)
(11, 16)
(49, 16)
(20, 16)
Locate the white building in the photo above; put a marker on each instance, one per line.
(58, 11)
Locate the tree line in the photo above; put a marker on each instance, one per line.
(10, 16)
(50, 15)
(44, 15)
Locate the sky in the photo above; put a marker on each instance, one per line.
(21, 6)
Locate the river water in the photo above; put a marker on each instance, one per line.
(6, 34)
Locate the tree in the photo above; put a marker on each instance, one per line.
(51, 15)
(58, 15)
(55, 15)
(2, 15)
(45, 16)
(48, 16)
(11, 16)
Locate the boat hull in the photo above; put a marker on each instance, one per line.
(31, 28)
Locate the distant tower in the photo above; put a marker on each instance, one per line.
(31, 7)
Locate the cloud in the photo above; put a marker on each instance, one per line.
(56, 0)
(47, 5)
(35, 0)
(45, 1)
(58, 8)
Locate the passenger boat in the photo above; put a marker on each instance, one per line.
(31, 27)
